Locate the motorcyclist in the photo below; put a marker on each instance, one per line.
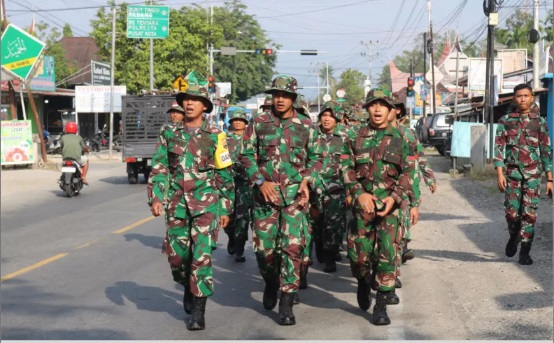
(72, 146)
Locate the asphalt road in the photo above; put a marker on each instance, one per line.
(91, 267)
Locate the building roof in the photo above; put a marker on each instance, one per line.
(80, 51)
(17, 86)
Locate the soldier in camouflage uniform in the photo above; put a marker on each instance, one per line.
(176, 114)
(378, 177)
(191, 167)
(281, 156)
(237, 230)
(268, 102)
(522, 150)
(329, 197)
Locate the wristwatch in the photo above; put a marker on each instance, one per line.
(260, 181)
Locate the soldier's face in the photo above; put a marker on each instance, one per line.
(327, 121)
(524, 99)
(238, 125)
(379, 114)
(176, 116)
(282, 101)
(194, 107)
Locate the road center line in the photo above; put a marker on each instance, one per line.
(59, 256)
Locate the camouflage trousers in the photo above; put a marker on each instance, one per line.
(242, 217)
(279, 241)
(404, 233)
(329, 227)
(521, 204)
(307, 251)
(188, 243)
(375, 242)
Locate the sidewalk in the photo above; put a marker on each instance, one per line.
(55, 161)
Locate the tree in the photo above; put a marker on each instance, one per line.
(249, 73)
(67, 32)
(51, 37)
(547, 32)
(352, 81)
(515, 33)
(183, 51)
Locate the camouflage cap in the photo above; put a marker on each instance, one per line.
(199, 92)
(399, 105)
(376, 94)
(176, 108)
(238, 114)
(268, 102)
(335, 108)
(283, 83)
(301, 105)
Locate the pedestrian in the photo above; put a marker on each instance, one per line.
(522, 154)
(73, 147)
(237, 230)
(377, 176)
(193, 161)
(282, 158)
(176, 114)
(268, 102)
(329, 198)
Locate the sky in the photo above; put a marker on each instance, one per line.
(340, 29)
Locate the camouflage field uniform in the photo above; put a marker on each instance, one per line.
(199, 190)
(522, 147)
(242, 215)
(330, 195)
(286, 152)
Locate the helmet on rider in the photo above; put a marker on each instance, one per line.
(71, 127)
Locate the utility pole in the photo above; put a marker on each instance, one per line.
(490, 12)
(368, 45)
(327, 65)
(151, 70)
(536, 49)
(113, 81)
(424, 72)
(430, 46)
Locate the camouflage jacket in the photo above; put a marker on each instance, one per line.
(378, 165)
(198, 165)
(522, 142)
(234, 142)
(282, 151)
(414, 197)
(335, 149)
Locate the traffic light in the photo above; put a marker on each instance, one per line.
(211, 84)
(266, 52)
(410, 89)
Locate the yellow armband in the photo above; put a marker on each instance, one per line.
(222, 156)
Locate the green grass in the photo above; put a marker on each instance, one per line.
(487, 173)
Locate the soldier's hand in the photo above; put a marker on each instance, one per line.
(304, 193)
(549, 189)
(156, 208)
(367, 202)
(268, 191)
(389, 203)
(502, 183)
(348, 200)
(414, 215)
(224, 221)
(433, 188)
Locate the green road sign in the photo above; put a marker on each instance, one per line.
(341, 100)
(20, 51)
(147, 21)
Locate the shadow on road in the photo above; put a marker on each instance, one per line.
(31, 333)
(148, 241)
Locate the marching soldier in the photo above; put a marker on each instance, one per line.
(522, 154)
(237, 230)
(377, 176)
(193, 162)
(281, 156)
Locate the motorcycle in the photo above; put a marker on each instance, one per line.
(53, 145)
(71, 181)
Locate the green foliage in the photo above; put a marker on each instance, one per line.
(51, 37)
(249, 73)
(67, 32)
(515, 33)
(352, 81)
(183, 51)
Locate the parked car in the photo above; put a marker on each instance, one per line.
(422, 128)
(439, 131)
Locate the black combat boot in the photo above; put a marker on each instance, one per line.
(330, 264)
(524, 258)
(296, 299)
(338, 256)
(270, 293)
(511, 247)
(303, 276)
(231, 244)
(363, 294)
(187, 300)
(407, 254)
(392, 298)
(286, 317)
(196, 321)
(240, 241)
(397, 283)
(380, 316)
